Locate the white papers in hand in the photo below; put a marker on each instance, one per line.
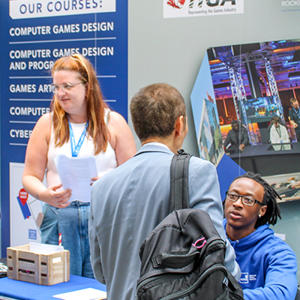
(75, 174)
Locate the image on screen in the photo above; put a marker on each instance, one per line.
(260, 109)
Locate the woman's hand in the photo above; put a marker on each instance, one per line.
(55, 197)
(100, 174)
(94, 179)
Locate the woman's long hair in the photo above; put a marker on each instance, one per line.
(97, 128)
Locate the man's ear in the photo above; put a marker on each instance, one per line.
(179, 132)
(180, 126)
(263, 210)
(177, 126)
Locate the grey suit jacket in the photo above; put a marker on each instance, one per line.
(128, 202)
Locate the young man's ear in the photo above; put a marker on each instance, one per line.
(262, 211)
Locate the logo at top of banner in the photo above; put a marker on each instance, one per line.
(23, 9)
(176, 3)
(194, 8)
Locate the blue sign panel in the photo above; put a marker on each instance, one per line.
(33, 35)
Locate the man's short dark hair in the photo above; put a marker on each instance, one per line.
(154, 110)
(270, 199)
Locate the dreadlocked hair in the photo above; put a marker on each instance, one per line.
(270, 199)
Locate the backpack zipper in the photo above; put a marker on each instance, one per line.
(201, 278)
(162, 278)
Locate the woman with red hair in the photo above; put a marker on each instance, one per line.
(80, 125)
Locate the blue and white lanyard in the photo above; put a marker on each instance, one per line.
(76, 148)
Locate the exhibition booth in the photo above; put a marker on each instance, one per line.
(226, 77)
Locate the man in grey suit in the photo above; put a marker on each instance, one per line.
(128, 202)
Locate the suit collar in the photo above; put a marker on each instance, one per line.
(155, 147)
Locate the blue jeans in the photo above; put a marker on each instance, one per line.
(72, 223)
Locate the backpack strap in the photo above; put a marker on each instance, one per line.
(179, 181)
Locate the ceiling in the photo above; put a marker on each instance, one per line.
(250, 61)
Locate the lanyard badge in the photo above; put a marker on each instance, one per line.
(75, 148)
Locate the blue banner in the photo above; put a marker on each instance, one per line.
(33, 35)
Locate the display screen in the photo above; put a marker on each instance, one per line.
(261, 109)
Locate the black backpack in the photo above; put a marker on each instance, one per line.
(183, 257)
